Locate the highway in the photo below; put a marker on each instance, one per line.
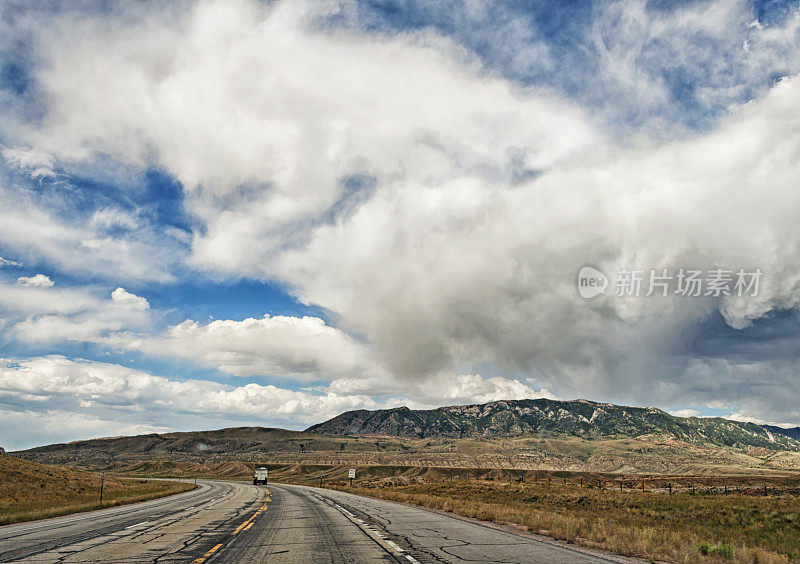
(236, 522)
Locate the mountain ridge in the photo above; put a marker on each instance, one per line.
(791, 432)
(581, 418)
(529, 434)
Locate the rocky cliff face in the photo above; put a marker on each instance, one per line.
(580, 418)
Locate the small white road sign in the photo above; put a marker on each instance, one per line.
(351, 473)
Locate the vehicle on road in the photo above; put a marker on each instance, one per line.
(260, 476)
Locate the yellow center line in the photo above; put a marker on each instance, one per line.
(249, 523)
(243, 527)
(206, 555)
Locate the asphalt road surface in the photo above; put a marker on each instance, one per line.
(239, 523)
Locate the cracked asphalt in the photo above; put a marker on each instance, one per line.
(178, 528)
(241, 523)
(307, 524)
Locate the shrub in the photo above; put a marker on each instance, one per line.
(723, 550)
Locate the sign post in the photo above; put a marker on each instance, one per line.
(351, 474)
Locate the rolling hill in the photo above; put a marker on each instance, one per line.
(30, 490)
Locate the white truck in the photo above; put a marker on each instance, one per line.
(260, 475)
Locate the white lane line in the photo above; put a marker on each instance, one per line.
(138, 524)
(368, 529)
(394, 545)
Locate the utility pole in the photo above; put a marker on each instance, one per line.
(102, 479)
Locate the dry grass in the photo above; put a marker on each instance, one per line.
(679, 528)
(29, 490)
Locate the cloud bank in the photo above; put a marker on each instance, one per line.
(435, 200)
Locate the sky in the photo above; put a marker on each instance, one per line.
(218, 214)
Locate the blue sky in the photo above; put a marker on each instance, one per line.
(267, 213)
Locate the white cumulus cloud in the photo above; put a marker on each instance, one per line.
(128, 300)
(100, 398)
(38, 313)
(303, 348)
(685, 413)
(36, 281)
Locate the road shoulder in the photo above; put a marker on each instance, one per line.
(336, 496)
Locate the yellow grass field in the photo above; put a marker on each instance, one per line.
(29, 490)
